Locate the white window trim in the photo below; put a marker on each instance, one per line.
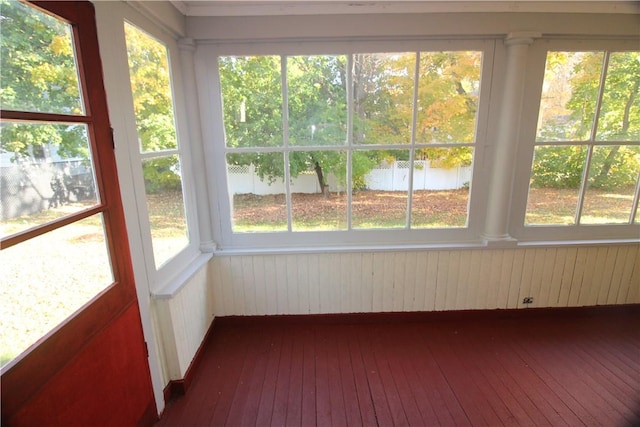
(162, 276)
(527, 235)
(213, 131)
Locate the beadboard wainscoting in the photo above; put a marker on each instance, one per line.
(425, 280)
(184, 320)
(400, 281)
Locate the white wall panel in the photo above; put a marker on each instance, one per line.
(185, 319)
(392, 281)
(353, 282)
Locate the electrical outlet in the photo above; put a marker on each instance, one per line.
(527, 300)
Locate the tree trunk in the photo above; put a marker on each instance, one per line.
(324, 188)
(608, 162)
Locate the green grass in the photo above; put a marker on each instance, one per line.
(45, 282)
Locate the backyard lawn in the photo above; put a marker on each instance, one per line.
(46, 280)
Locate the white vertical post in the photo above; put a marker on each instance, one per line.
(499, 198)
(187, 48)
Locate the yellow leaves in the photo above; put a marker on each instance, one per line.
(61, 45)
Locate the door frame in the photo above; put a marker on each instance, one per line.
(28, 373)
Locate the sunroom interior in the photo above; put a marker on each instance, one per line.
(329, 157)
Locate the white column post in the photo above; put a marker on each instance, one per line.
(187, 48)
(505, 147)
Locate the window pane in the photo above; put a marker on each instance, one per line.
(448, 93)
(619, 118)
(555, 184)
(48, 278)
(380, 182)
(441, 184)
(383, 91)
(163, 185)
(569, 96)
(612, 178)
(252, 100)
(317, 100)
(45, 174)
(151, 88)
(318, 191)
(37, 62)
(257, 192)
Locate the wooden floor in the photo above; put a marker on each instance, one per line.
(568, 367)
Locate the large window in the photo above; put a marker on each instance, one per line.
(159, 151)
(586, 159)
(348, 142)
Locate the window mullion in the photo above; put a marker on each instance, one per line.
(594, 130)
(158, 154)
(636, 198)
(596, 115)
(583, 185)
(412, 152)
(285, 139)
(350, 108)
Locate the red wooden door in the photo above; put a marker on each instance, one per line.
(92, 368)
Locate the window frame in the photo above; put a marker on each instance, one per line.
(161, 276)
(208, 76)
(527, 143)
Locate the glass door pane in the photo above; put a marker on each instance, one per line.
(38, 62)
(48, 278)
(46, 173)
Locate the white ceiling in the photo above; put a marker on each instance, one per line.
(324, 7)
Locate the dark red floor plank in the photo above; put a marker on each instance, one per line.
(323, 393)
(265, 405)
(495, 395)
(349, 391)
(499, 379)
(308, 416)
(439, 391)
(232, 372)
(430, 388)
(526, 371)
(382, 356)
(281, 396)
(376, 387)
(336, 386)
(248, 410)
(615, 391)
(618, 371)
(183, 409)
(568, 369)
(415, 413)
(365, 403)
(294, 400)
(531, 393)
(467, 389)
(546, 373)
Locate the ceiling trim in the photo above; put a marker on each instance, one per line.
(331, 7)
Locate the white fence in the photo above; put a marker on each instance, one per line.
(387, 177)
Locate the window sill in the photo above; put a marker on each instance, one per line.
(346, 249)
(576, 243)
(497, 244)
(169, 289)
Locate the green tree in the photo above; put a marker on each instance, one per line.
(383, 91)
(153, 107)
(252, 100)
(572, 82)
(38, 73)
(317, 106)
